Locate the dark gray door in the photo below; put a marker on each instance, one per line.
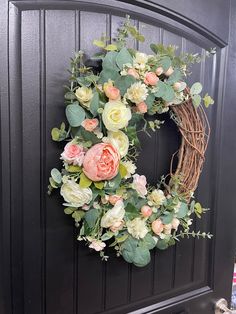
(43, 269)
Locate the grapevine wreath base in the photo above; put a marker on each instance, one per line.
(111, 204)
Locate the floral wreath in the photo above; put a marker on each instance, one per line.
(110, 203)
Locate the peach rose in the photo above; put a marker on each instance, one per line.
(90, 124)
(177, 86)
(175, 223)
(146, 211)
(117, 226)
(167, 228)
(101, 162)
(139, 184)
(142, 107)
(157, 226)
(169, 71)
(159, 71)
(112, 92)
(133, 73)
(73, 154)
(151, 78)
(113, 199)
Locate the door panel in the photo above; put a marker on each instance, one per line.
(46, 270)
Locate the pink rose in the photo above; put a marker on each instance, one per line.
(146, 211)
(142, 107)
(113, 199)
(101, 162)
(133, 73)
(73, 154)
(139, 184)
(112, 92)
(169, 71)
(151, 78)
(90, 124)
(97, 245)
(157, 226)
(159, 71)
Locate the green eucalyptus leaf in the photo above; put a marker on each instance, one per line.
(169, 94)
(78, 215)
(208, 100)
(69, 210)
(160, 89)
(148, 242)
(141, 257)
(165, 62)
(107, 74)
(94, 105)
(182, 211)
(109, 62)
(123, 83)
(150, 100)
(56, 175)
(84, 182)
(162, 244)
(196, 100)
(128, 256)
(75, 115)
(123, 57)
(91, 217)
(166, 219)
(175, 77)
(70, 96)
(196, 88)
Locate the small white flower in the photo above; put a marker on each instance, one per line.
(130, 167)
(140, 60)
(97, 245)
(157, 197)
(137, 92)
(137, 228)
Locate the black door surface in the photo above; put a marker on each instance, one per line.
(43, 269)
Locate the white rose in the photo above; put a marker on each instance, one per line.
(137, 92)
(75, 195)
(137, 228)
(115, 115)
(157, 197)
(120, 140)
(114, 216)
(84, 95)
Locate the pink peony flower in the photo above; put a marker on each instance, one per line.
(151, 78)
(157, 226)
(113, 199)
(90, 124)
(146, 211)
(112, 92)
(142, 107)
(73, 154)
(101, 162)
(139, 184)
(133, 73)
(159, 71)
(169, 71)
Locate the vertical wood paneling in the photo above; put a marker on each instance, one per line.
(59, 45)
(31, 152)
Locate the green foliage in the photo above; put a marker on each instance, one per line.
(175, 77)
(123, 57)
(56, 175)
(94, 105)
(75, 114)
(84, 182)
(108, 74)
(59, 135)
(182, 211)
(91, 217)
(123, 83)
(109, 61)
(196, 100)
(78, 215)
(167, 217)
(165, 62)
(131, 211)
(196, 88)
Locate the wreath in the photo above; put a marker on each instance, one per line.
(107, 105)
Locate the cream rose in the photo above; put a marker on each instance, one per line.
(113, 217)
(115, 115)
(157, 197)
(137, 92)
(84, 95)
(137, 228)
(75, 195)
(140, 60)
(120, 140)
